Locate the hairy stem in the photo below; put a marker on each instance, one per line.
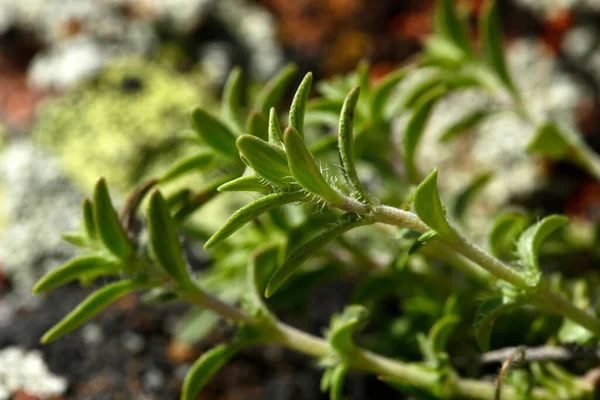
(364, 360)
(543, 294)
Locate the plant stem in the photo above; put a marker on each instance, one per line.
(543, 294)
(409, 374)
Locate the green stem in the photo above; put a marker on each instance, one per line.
(364, 360)
(543, 294)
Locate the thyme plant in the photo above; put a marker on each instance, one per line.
(303, 210)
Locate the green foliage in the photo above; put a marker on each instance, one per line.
(300, 229)
(204, 368)
(428, 205)
(91, 306)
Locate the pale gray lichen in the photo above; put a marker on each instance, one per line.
(39, 204)
(26, 371)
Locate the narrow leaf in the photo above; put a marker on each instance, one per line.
(416, 89)
(274, 90)
(275, 133)
(257, 125)
(196, 162)
(440, 332)
(305, 170)
(75, 238)
(164, 240)
(493, 49)
(465, 123)
(231, 104)
(267, 160)
(343, 327)
(92, 305)
(245, 214)
(550, 141)
(191, 202)
(336, 388)
(450, 25)
(205, 368)
(107, 221)
(530, 240)
(308, 249)
(486, 315)
(261, 265)
(216, 134)
(89, 266)
(346, 143)
(383, 90)
(444, 53)
(423, 240)
(466, 196)
(428, 206)
(415, 129)
(247, 183)
(88, 218)
(505, 231)
(298, 107)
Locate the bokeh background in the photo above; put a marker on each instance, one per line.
(102, 87)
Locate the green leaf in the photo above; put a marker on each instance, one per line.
(195, 325)
(191, 202)
(196, 162)
(326, 379)
(305, 170)
(465, 123)
(571, 332)
(383, 90)
(88, 218)
(92, 305)
(107, 221)
(550, 141)
(505, 231)
(304, 252)
(440, 332)
(486, 315)
(159, 295)
(428, 206)
(444, 53)
(89, 266)
(274, 90)
(530, 240)
(231, 104)
(414, 131)
(336, 385)
(258, 125)
(262, 264)
(298, 107)
(267, 160)
(451, 26)
(466, 196)
(275, 133)
(205, 368)
(343, 327)
(247, 183)
(75, 238)
(245, 214)
(493, 49)
(164, 240)
(416, 89)
(346, 144)
(216, 134)
(423, 240)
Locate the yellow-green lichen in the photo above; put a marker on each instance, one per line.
(123, 125)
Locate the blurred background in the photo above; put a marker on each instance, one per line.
(101, 87)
